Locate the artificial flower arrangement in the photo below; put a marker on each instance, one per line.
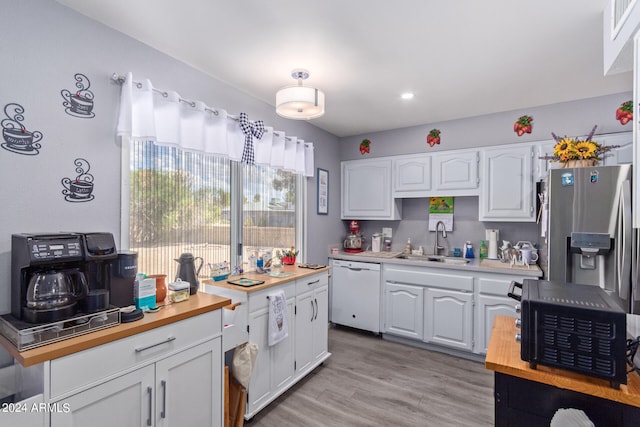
(289, 256)
(586, 151)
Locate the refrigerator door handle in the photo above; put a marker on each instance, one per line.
(624, 242)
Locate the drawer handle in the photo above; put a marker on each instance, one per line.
(168, 340)
(163, 414)
(150, 403)
(232, 306)
(313, 283)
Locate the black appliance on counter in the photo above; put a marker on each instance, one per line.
(575, 327)
(57, 275)
(123, 270)
(59, 287)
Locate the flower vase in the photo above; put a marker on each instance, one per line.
(583, 163)
(289, 260)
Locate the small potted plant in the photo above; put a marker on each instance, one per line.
(289, 256)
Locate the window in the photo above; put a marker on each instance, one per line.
(184, 202)
(268, 209)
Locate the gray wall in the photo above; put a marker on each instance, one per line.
(43, 46)
(569, 118)
(466, 226)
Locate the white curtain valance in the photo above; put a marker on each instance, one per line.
(165, 118)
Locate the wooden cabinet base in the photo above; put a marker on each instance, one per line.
(525, 403)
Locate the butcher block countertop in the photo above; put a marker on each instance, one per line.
(503, 356)
(290, 272)
(197, 304)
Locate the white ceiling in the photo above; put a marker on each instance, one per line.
(461, 58)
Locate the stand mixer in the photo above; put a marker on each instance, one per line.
(354, 241)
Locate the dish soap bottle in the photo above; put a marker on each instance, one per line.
(483, 250)
(468, 253)
(407, 247)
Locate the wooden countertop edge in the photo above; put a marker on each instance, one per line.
(269, 281)
(503, 356)
(196, 305)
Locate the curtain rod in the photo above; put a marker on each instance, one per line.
(119, 78)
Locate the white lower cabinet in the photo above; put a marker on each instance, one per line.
(274, 366)
(163, 384)
(280, 366)
(312, 331)
(449, 308)
(491, 300)
(133, 395)
(448, 318)
(404, 309)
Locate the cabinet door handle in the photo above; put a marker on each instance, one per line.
(313, 283)
(168, 340)
(163, 384)
(149, 391)
(313, 311)
(316, 300)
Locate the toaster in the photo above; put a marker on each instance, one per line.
(569, 326)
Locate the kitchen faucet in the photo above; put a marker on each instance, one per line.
(437, 247)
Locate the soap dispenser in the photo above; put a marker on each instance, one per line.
(407, 247)
(468, 253)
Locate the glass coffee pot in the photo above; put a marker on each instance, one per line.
(51, 289)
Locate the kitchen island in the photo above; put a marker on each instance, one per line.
(167, 366)
(281, 365)
(530, 397)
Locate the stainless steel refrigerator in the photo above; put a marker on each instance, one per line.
(590, 238)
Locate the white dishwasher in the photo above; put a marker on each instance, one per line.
(355, 294)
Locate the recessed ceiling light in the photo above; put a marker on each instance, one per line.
(407, 95)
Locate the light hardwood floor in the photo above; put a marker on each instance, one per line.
(373, 382)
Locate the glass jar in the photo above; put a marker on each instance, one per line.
(276, 265)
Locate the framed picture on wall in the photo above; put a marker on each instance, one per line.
(323, 192)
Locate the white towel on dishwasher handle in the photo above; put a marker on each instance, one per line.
(278, 321)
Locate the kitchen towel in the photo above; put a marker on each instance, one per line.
(278, 322)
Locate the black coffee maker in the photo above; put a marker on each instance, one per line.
(55, 276)
(100, 250)
(123, 270)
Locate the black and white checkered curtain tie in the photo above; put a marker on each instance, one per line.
(250, 130)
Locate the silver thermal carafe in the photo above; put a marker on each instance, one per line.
(187, 271)
(123, 272)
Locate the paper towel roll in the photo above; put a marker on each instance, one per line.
(493, 245)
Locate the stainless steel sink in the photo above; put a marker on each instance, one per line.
(434, 258)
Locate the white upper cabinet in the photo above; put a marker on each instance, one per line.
(450, 173)
(541, 166)
(457, 170)
(621, 23)
(367, 190)
(507, 192)
(411, 175)
(621, 155)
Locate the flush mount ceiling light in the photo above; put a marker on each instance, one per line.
(300, 102)
(407, 95)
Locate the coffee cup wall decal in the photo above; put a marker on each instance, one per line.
(80, 188)
(80, 103)
(17, 138)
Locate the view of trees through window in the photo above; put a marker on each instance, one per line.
(180, 202)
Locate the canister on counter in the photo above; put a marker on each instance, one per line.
(178, 291)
